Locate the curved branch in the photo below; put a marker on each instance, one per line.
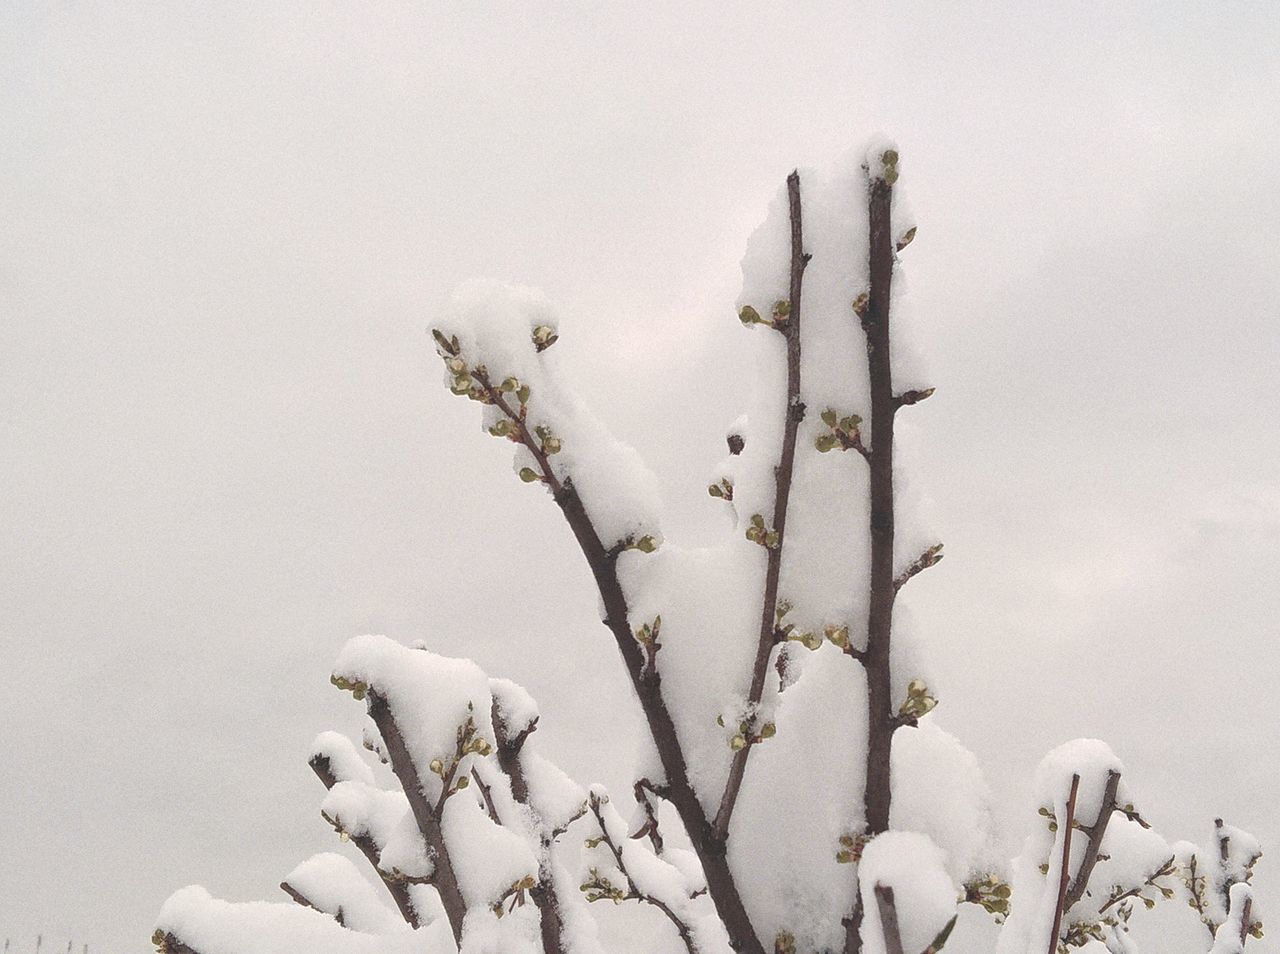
(782, 495)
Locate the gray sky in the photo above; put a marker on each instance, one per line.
(226, 448)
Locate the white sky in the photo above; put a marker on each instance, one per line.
(225, 447)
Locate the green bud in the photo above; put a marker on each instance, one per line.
(463, 782)
(509, 385)
(768, 730)
(749, 316)
(522, 394)
(646, 544)
(544, 336)
(529, 475)
(737, 743)
(825, 443)
(829, 417)
(907, 236)
(437, 767)
(890, 157)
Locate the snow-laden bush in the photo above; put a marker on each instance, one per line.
(804, 799)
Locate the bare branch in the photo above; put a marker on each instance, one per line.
(889, 920)
(782, 493)
(1064, 876)
(486, 793)
(1096, 834)
(306, 902)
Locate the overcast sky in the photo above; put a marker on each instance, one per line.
(225, 447)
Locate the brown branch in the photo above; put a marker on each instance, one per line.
(650, 827)
(875, 322)
(1246, 920)
(302, 899)
(889, 920)
(782, 493)
(930, 557)
(511, 740)
(372, 851)
(1118, 897)
(908, 398)
(1081, 882)
(487, 793)
(634, 894)
(602, 562)
(1065, 874)
(424, 813)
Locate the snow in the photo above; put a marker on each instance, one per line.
(939, 791)
(487, 858)
(212, 926)
(331, 883)
(924, 894)
(345, 762)
(429, 696)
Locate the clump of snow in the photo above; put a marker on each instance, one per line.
(499, 329)
(344, 760)
(212, 926)
(429, 696)
(802, 792)
(330, 883)
(924, 895)
(939, 791)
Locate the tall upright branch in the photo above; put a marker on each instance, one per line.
(1064, 874)
(426, 815)
(875, 322)
(372, 851)
(782, 495)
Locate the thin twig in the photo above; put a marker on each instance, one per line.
(1065, 874)
(633, 893)
(302, 899)
(782, 494)
(930, 557)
